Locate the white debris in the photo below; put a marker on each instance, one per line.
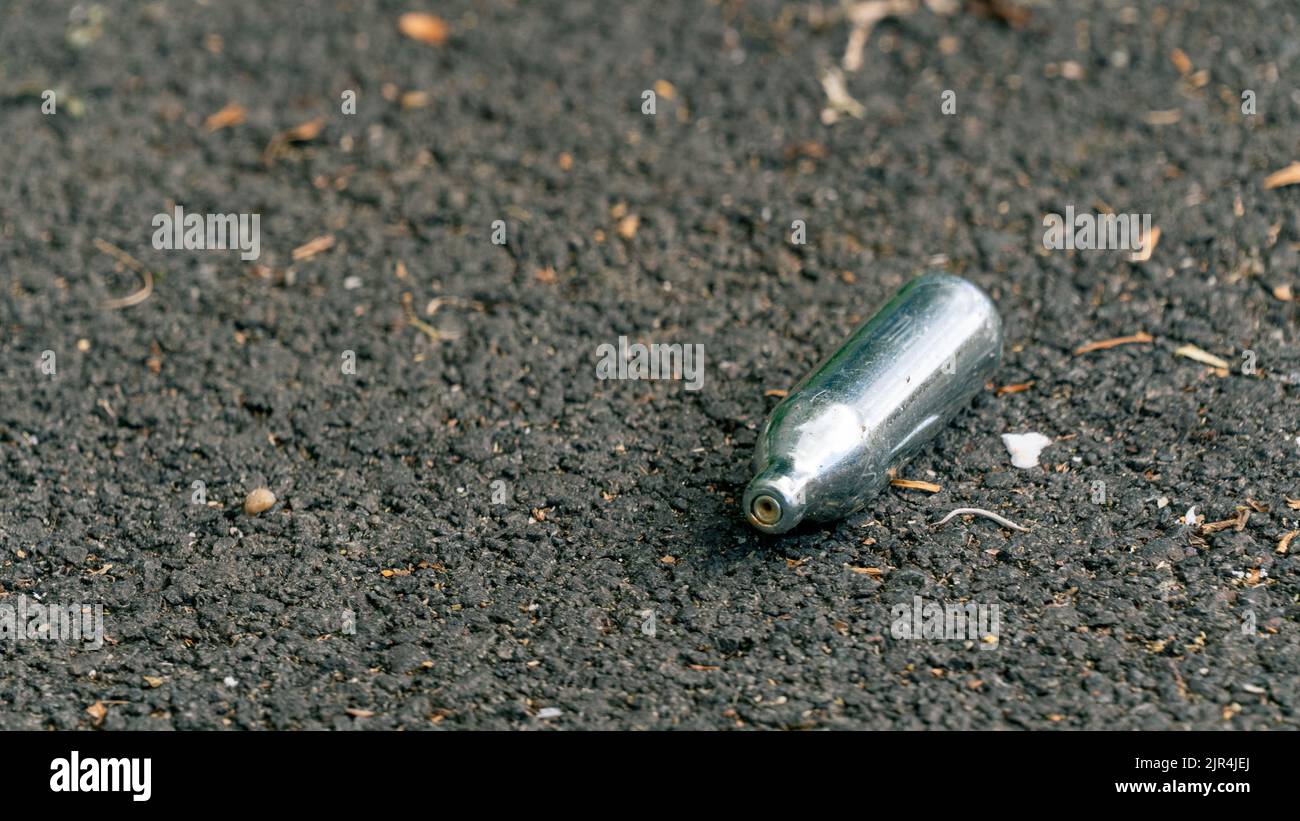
(1190, 519)
(864, 16)
(352, 283)
(230, 681)
(1025, 447)
(549, 712)
(838, 100)
(943, 8)
(979, 511)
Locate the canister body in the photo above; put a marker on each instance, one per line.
(828, 447)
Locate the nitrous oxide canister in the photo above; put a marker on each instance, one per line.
(828, 447)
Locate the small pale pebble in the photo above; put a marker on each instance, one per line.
(1025, 447)
(352, 283)
(548, 712)
(258, 501)
(230, 681)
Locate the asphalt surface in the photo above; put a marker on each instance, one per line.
(506, 530)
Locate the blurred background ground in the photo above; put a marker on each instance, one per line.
(616, 505)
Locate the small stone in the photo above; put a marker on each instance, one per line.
(258, 501)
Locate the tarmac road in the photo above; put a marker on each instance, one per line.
(472, 530)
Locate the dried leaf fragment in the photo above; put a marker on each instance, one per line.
(1138, 338)
(1285, 542)
(1287, 176)
(313, 247)
(1237, 522)
(233, 114)
(1205, 358)
(1017, 388)
(1181, 61)
(1006, 11)
(1146, 246)
(301, 133)
(415, 99)
(1163, 117)
(913, 484)
(427, 28)
(807, 148)
(305, 132)
(628, 226)
(873, 572)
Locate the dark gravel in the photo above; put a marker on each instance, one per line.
(621, 497)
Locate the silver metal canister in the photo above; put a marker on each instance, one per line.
(827, 449)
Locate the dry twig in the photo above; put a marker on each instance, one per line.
(135, 265)
(1140, 337)
(987, 514)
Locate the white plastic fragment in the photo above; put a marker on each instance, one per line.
(1190, 518)
(1025, 447)
(549, 712)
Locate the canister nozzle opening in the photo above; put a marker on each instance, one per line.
(765, 510)
(773, 502)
